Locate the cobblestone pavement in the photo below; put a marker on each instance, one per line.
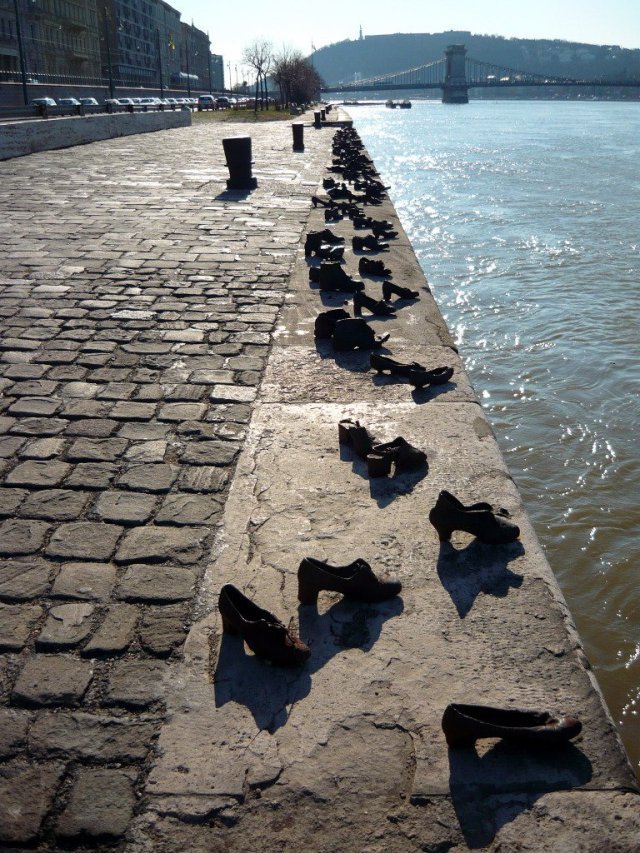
(137, 301)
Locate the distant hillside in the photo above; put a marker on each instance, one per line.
(376, 55)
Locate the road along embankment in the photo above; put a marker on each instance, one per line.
(20, 138)
(347, 753)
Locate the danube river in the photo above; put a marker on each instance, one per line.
(525, 216)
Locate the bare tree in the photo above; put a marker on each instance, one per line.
(297, 79)
(257, 56)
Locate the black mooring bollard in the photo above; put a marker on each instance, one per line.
(316, 120)
(323, 115)
(237, 150)
(298, 136)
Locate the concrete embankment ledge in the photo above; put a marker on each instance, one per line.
(156, 345)
(348, 753)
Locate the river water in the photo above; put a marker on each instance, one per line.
(525, 216)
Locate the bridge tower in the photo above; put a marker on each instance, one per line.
(455, 89)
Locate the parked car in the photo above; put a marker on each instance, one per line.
(68, 102)
(113, 101)
(43, 102)
(125, 102)
(207, 101)
(149, 102)
(88, 102)
(223, 102)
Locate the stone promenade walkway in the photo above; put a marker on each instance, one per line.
(137, 300)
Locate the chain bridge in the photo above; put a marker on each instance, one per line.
(456, 73)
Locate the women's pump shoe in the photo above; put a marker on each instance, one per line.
(489, 526)
(355, 334)
(403, 455)
(325, 323)
(464, 724)
(370, 243)
(375, 306)
(390, 289)
(437, 376)
(352, 434)
(382, 363)
(263, 632)
(334, 278)
(356, 580)
(369, 266)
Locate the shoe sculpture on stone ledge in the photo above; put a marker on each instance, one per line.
(417, 375)
(464, 724)
(356, 580)
(263, 632)
(488, 524)
(398, 452)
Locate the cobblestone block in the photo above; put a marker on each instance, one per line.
(78, 735)
(209, 453)
(117, 391)
(100, 806)
(6, 424)
(21, 536)
(136, 684)
(92, 475)
(43, 448)
(147, 451)
(96, 449)
(10, 500)
(115, 634)
(66, 627)
(85, 409)
(13, 731)
(181, 509)
(159, 584)
(203, 479)
(232, 394)
(162, 544)
(52, 680)
(23, 579)
(26, 794)
(36, 406)
(55, 504)
(92, 428)
(80, 390)
(189, 336)
(149, 478)
(163, 629)
(182, 412)
(38, 473)
(32, 388)
(84, 540)
(16, 622)
(9, 445)
(25, 371)
(126, 411)
(85, 581)
(144, 431)
(38, 426)
(212, 377)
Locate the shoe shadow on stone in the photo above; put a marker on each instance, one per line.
(467, 572)
(430, 392)
(384, 490)
(491, 789)
(267, 691)
(346, 624)
(355, 361)
(233, 195)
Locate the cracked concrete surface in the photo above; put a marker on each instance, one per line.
(348, 753)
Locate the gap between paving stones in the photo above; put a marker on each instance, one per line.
(137, 302)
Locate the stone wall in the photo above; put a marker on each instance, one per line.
(26, 137)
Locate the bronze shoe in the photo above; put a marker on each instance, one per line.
(481, 520)
(263, 632)
(355, 580)
(464, 724)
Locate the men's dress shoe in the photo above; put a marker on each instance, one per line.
(369, 243)
(489, 526)
(464, 724)
(375, 306)
(352, 434)
(355, 334)
(325, 323)
(390, 289)
(263, 632)
(368, 266)
(356, 581)
(403, 455)
(333, 277)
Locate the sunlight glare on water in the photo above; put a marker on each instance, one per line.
(524, 216)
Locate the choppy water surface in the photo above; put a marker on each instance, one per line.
(526, 219)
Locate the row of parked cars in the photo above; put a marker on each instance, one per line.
(204, 101)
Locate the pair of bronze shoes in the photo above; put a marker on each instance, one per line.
(267, 636)
(380, 457)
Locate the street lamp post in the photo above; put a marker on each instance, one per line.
(107, 39)
(23, 70)
(160, 63)
(186, 47)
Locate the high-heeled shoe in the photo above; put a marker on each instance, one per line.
(375, 306)
(390, 289)
(352, 434)
(325, 323)
(489, 526)
(398, 452)
(437, 376)
(382, 363)
(370, 243)
(369, 266)
(356, 580)
(326, 252)
(263, 632)
(355, 334)
(334, 278)
(464, 724)
(314, 239)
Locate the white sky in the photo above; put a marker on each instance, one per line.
(300, 24)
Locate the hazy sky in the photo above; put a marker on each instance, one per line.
(300, 24)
